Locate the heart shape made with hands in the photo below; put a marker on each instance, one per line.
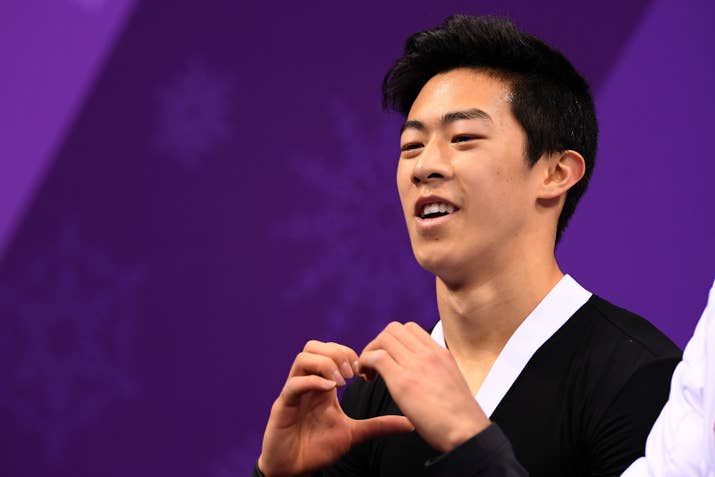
(425, 382)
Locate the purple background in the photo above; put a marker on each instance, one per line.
(191, 190)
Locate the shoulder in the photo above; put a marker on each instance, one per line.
(628, 364)
(618, 356)
(613, 329)
(603, 351)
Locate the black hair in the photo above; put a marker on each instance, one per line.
(550, 100)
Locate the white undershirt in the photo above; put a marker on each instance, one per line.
(550, 314)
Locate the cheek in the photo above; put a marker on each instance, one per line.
(404, 182)
(486, 183)
(494, 193)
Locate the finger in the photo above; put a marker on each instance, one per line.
(297, 386)
(420, 335)
(386, 340)
(398, 331)
(378, 361)
(309, 363)
(344, 357)
(404, 336)
(380, 426)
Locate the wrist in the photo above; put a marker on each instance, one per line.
(460, 434)
(266, 471)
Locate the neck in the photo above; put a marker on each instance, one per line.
(480, 314)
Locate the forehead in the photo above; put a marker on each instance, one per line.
(462, 89)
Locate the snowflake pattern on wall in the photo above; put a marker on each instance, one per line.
(65, 319)
(365, 262)
(193, 114)
(240, 460)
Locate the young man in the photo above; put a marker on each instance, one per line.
(496, 150)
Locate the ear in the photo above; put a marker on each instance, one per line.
(564, 169)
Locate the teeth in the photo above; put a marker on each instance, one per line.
(437, 207)
(431, 209)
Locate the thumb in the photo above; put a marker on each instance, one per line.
(365, 429)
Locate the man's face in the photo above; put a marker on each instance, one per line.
(467, 191)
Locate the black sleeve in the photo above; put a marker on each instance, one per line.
(487, 454)
(620, 436)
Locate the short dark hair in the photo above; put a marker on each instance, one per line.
(550, 100)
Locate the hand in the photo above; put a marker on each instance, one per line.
(426, 383)
(307, 429)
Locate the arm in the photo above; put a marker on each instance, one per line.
(619, 435)
(487, 454)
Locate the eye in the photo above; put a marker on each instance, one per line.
(410, 146)
(465, 138)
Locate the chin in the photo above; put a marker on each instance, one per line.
(437, 262)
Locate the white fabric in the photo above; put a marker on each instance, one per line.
(682, 441)
(549, 315)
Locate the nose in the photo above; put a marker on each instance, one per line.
(432, 165)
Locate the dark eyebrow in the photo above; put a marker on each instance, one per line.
(473, 113)
(448, 118)
(412, 124)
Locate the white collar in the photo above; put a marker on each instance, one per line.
(549, 315)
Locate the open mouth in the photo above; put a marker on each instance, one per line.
(436, 209)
